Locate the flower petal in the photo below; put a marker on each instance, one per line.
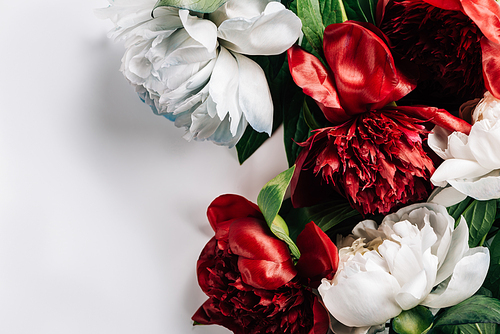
(264, 261)
(446, 196)
(316, 81)
(468, 276)
(355, 300)
(223, 88)
(201, 30)
(486, 188)
(270, 33)
(484, 141)
(319, 256)
(254, 97)
(229, 207)
(457, 168)
(491, 66)
(365, 74)
(486, 15)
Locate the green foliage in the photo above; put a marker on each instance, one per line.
(361, 10)
(480, 216)
(316, 15)
(269, 201)
(474, 310)
(295, 129)
(415, 321)
(200, 6)
(492, 281)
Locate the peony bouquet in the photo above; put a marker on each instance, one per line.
(387, 219)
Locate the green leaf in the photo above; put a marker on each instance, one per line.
(294, 126)
(487, 328)
(480, 216)
(492, 281)
(270, 200)
(200, 6)
(456, 210)
(369, 8)
(329, 214)
(271, 195)
(418, 320)
(476, 309)
(332, 11)
(280, 229)
(308, 117)
(312, 23)
(353, 11)
(316, 15)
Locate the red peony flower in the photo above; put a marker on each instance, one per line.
(249, 276)
(456, 44)
(373, 155)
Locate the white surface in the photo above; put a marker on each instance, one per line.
(102, 203)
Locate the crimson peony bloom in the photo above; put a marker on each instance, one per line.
(373, 154)
(455, 43)
(249, 276)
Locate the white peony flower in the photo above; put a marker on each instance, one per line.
(415, 257)
(472, 163)
(191, 69)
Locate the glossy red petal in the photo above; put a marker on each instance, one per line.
(366, 77)
(437, 116)
(205, 261)
(491, 66)
(486, 15)
(321, 318)
(226, 208)
(264, 260)
(316, 81)
(319, 256)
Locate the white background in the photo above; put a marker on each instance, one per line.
(102, 203)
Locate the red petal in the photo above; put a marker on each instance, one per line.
(486, 15)
(264, 260)
(226, 208)
(437, 116)
(366, 77)
(319, 256)
(206, 261)
(315, 80)
(491, 66)
(321, 318)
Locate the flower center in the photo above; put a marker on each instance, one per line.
(444, 44)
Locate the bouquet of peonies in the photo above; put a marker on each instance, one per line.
(391, 117)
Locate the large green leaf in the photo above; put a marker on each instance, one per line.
(329, 214)
(294, 126)
(487, 328)
(457, 210)
(476, 309)
(200, 6)
(270, 200)
(312, 23)
(492, 281)
(480, 216)
(332, 11)
(415, 321)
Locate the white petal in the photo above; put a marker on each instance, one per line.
(271, 33)
(458, 246)
(467, 278)
(457, 169)
(438, 142)
(446, 196)
(484, 141)
(356, 300)
(238, 8)
(223, 87)
(254, 96)
(203, 31)
(486, 188)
